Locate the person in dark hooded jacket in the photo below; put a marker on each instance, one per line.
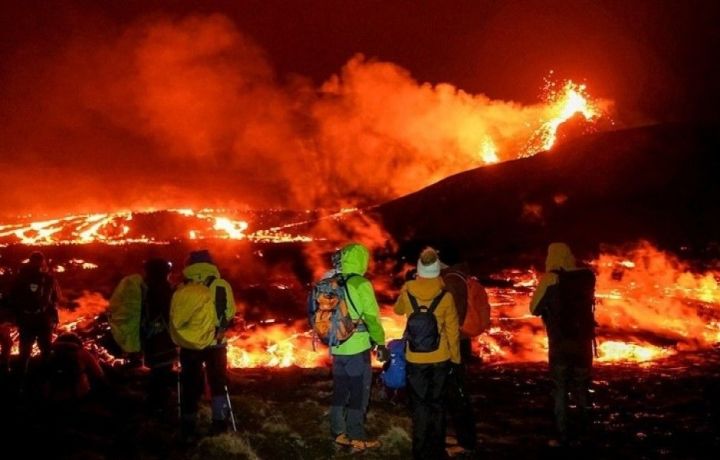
(34, 297)
(159, 351)
(567, 311)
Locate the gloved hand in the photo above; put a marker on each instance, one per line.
(383, 354)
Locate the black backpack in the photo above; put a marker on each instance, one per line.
(570, 313)
(421, 331)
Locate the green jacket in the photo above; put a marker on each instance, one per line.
(354, 260)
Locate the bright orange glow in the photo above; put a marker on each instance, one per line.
(612, 351)
(570, 99)
(650, 306)
(117, 228)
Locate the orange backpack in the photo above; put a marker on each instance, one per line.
(477, 317)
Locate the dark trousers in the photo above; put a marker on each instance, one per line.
(159, 386)
(466, 349)
(40, 328)
(352, 375)
(571, 369)
(426, 387)
(192, 380)
(460, 409)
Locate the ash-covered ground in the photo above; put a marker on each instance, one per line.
(668, 409)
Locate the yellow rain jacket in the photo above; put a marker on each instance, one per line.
(425, 290)
(194, 320)
(559, 257)
(354, 260)
(125, 312)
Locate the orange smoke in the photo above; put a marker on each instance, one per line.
(170, 113)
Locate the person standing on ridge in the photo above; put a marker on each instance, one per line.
(34, 297)
(351, 364)
(201, 310)
(433, 351)
(565, 298)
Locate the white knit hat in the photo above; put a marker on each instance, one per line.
(432, 270)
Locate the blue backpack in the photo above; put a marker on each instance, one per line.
(394, 375)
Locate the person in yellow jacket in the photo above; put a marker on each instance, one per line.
(351, 369)
(567, 310)
(432, 352)
(201, 309)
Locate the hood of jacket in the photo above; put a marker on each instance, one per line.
(425, 289)
(354, 258)
(559, 257)
(200, 272)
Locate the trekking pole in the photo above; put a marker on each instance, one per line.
(230, 409)
(179, 401)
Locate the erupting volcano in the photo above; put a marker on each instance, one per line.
(253, 145)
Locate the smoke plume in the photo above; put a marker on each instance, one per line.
(189, 112)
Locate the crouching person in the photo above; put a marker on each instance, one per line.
(200, 312)
(72, 372)
(351, 369)
(432, 334)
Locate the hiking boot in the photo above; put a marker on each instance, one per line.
(360, 446)
(457, 451)
(343, 440)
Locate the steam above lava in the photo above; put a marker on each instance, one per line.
(189, 112)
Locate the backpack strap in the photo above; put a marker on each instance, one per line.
(436, 301)
(220, 301)
(413, 302)
(347, 292)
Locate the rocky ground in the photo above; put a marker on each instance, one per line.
(665, 410)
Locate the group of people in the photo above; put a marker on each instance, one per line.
(434, 299)
(185, 324)
(165, 324)
(151, 320)
(434, 367)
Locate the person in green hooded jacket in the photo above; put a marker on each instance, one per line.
(351, 369)
(201, 310)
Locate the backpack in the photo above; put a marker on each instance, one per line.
(477, 314)
(328, 311)
(393, 374)
(192, 316)
(421, 331)
(35, 295)
(125, 312)
(570, 313)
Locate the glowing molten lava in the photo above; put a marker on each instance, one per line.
(125, 228)
(649, 306)
(562, 104)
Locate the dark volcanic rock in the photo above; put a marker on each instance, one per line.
(658, 183)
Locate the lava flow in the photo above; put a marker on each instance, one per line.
(649, 306)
